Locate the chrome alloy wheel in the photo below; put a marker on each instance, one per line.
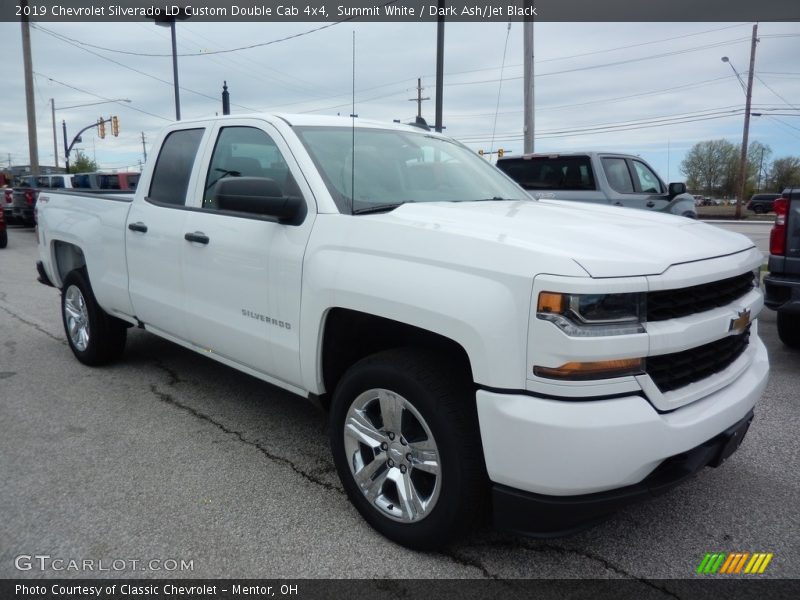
(77, 317)
(392, 455)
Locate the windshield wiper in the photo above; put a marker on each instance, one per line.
(495, 199)
(365, 210)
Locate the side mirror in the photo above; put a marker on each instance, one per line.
(258, 196)
(676, 188)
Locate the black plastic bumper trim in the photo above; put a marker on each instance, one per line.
(43, 278)
(539, 515)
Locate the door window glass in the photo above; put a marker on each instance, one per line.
(248, 152)
(648, 181)
(619, 178)
(174, 167)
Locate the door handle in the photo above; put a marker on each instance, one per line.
(197, 236)
(650, 204)
(138, 226)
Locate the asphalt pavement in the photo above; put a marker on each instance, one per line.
(170, 456)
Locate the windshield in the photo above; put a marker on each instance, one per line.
(386, 168)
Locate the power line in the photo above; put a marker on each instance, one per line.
(125, 105)
(499, 88)
(124, 66)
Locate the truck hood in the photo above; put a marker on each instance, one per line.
(605, 241)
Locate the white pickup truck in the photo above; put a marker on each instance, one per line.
(475, 347)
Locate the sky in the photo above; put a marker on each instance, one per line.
(587, 76)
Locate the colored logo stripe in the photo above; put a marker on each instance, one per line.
(734, 562)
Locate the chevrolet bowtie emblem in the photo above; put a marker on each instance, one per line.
(740, 323)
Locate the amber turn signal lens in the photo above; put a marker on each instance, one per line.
(550, 302)
(581, 371)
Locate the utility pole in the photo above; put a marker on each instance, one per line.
(144, 147)
(439, 67)
(743, 161)
(30, 104)
(528, 127)
(419, 97)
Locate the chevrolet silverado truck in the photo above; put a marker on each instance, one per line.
(598, 177)
(476, 349)
(782, 283)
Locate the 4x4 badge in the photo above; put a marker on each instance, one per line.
(740, 323)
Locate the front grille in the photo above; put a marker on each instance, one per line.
(671, 304)
(672, 371)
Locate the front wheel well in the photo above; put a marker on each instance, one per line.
(351, 335)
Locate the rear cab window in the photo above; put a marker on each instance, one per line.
(173, 170)
(550, 172)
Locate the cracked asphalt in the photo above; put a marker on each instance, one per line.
(169, 455)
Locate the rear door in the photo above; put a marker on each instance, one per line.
(156, 225)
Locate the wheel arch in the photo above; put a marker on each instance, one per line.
(350, 335)
(66, 257)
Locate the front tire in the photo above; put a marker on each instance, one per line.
(789, 329)
(3, 238)
(95, 337)
(406, 445)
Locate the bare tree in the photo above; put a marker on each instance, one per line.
(785, 172)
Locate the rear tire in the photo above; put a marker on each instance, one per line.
(95, 337)
(789, 329)
(406, 445)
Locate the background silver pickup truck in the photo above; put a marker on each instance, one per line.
(600, 177)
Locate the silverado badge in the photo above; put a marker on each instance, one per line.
(740, 323)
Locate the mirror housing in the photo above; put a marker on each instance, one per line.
(676, 189)
(258, 196)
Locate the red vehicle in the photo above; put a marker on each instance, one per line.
(3, 232)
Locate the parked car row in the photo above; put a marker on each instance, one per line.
(19, 203)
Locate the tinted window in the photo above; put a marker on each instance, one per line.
(109, 182)
(550, 172)
(81, 182)
(174, 166)
(247, 152)
(57, 182)
(133, 180)
(619, 178)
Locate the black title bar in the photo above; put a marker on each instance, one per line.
(402, 10)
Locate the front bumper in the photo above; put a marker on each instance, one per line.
(577, 447)
(546, 516)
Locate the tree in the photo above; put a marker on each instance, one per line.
(758, 156)
(707, 164)
(785, 172)
(82, 163)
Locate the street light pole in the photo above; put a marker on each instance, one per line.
(175, 71)
(169, 21)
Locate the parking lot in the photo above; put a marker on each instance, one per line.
(170, 456)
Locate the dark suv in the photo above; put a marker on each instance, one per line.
(761, 204)
(782, 284)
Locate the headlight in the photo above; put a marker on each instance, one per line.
(585, 315)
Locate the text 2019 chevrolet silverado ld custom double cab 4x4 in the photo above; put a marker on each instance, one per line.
(473, 346)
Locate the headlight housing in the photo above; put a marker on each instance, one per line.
(591, 315)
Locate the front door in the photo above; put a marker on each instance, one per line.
(242, 272)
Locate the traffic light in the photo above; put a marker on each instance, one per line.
(115, 126)
(500, 153)
(101, 128)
